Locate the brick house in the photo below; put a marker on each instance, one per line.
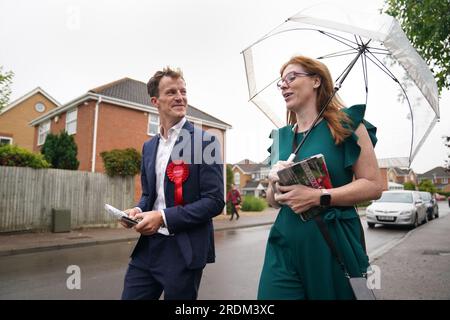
(117, 115)
(395, 170)
(14, 118)
(439, 176)
(402, 175)
(251, 177)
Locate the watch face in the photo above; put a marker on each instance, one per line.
(39, 107)
(325, 200)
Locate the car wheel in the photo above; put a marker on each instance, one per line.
(416, 222)
(437, 214)
(371, 225)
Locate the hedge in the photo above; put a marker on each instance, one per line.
(14, 156)
(251, 203)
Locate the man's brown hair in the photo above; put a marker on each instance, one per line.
(153, 83)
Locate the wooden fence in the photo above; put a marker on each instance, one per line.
(27, 197)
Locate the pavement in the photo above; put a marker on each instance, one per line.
(19, 243)
(417, 267)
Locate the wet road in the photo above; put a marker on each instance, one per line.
(235, 274)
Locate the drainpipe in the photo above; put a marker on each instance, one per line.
(94, 139)
(225, 169)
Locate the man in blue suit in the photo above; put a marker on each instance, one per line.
(182, 190)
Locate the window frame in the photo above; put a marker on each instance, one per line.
(69, 122)
(6, 138)
(39, 142)
(150, 122)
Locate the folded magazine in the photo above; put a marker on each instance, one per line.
(311, 172)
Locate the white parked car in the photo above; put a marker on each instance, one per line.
(400, 207)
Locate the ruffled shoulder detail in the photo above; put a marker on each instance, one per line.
(277, 135)
(351, 146)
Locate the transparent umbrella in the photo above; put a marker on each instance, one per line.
(371, 54)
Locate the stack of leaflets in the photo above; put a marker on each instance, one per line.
(311, 172)
(120, 215)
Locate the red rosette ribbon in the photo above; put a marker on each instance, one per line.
(178, 172)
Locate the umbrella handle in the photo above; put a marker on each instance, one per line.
(291, 157)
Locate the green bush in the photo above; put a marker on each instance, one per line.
(427, 185)
(125, 162)
(364, 204)
(61, 151)
(14, 156)
(252, 203)
(447, 194)
(409, 186)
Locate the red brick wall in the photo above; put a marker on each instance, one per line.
(121, 128)
(85, 133)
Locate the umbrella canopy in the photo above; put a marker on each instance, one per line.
(389, 75)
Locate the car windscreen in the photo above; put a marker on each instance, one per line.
(425, 196)
(396, 197)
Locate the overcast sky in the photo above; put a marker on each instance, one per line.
(69, 47)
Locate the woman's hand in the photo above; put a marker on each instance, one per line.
(298, 197)
(273, 174)
(273, 182)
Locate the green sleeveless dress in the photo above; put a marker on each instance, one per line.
(298, 262)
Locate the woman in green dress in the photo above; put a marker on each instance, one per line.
(298, 262)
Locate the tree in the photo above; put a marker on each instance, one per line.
(5, 89)
(229, 177)
(427, 185)
(427, 25)
(61, 151)
(409, 186)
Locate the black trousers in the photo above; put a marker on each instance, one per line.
(234, 211)
(159, 267)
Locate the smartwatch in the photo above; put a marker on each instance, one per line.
(325, 198)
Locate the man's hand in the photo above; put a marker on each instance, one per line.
(150, 223)
(131, 214)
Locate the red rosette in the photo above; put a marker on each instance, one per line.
(178, 172)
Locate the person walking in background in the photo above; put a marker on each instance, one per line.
(234, 198)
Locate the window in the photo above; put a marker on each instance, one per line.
(5, 140)
(71, 121)
(39, 107)
(44, 129)
(153, 124)
(444, 180)
(237, 178)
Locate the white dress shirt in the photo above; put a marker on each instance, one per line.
(165, 148)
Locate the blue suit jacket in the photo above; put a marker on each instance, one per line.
(203, 196)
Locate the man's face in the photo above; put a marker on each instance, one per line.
(172, 100)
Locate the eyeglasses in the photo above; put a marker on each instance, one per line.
(291, 76)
